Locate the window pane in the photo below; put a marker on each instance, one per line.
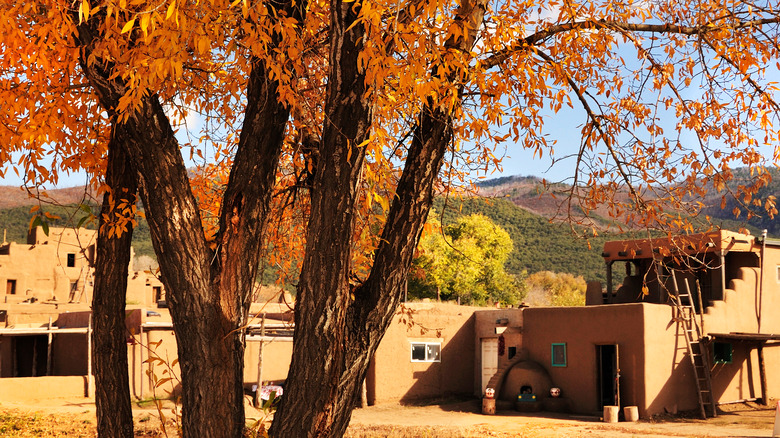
(722, 352)
(559, 355)
(433, 352)
(418, 352)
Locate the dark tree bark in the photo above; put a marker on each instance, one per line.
(209, 291)
(336, 336)
(109, 341)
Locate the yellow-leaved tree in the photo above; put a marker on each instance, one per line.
(337, 118)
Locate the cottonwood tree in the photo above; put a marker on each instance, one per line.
(346, 113)
(465, 261)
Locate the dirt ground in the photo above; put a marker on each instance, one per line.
(465, 419)
(76, 418)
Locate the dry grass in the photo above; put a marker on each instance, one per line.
(23, 425)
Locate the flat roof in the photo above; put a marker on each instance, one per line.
(27, 331)
(716, 241)
(745, 337)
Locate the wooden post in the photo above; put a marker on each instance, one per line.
(609, 283)
(89, 356)
(701, 307)
(722, 275)
(762, 375)
(48, 350)
(260, 361)
(142, 346)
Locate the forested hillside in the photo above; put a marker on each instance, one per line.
(531, 194)
(538, 244)
(518, 204)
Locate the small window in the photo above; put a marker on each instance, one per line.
(74, 288)
(426, 352)
(10, 287)
(511, 352)
(158, 293)
(722, 352)
(71, 260)
(778, 273)
(558, 355)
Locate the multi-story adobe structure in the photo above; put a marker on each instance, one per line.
(683, 323)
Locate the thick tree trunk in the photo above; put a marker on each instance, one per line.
(109, 341)
(335, 334)
(208, 291)
(313, 396)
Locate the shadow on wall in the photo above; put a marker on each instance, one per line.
(453, 376)
(742, 368)
(677, 394)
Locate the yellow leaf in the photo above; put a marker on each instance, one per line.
(171, 8)
(128, 26)
(84, 12)
(145, 23)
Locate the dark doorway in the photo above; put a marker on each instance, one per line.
(608, 375)
(30, 356)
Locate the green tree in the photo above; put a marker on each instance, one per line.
(466, 261)
(547, 288)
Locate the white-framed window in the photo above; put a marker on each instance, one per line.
(426, 351)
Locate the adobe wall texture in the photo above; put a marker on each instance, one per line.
(582, 329)
(487, 321)
(392, 374)
(42, 388)
(56, 269)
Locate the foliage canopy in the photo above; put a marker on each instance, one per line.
(465, 261)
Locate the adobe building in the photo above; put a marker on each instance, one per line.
(57, 269)
(43, 284)
(711, 299)
(679, 319)
(427, 353)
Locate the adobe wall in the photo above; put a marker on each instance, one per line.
(738, 311)
(393, 376)
(27, 389)
(668, 380)
(161, 344)
(277, 353)
(486, 323)
(41, 270)
(582, 329)
(152, 357)
(740, 379)
(748, 308)
(37, 314)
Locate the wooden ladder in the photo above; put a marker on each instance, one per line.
(697, 353)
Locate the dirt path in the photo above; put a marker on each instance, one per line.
(465, 417)
(458, 419)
